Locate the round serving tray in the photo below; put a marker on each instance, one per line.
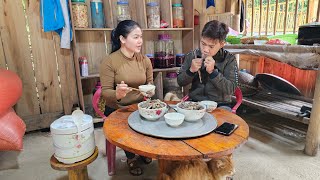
(159, 128)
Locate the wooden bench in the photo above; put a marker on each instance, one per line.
(280, 104)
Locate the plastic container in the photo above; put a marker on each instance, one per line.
(164, 52)
(80, 13)
(97, 14)
(153, 15)
(170, 82)
(84, 68)
(123, 11)
(259, 42)
(177, 15)
(72, 143)
(290, 38)
(151, 57)
(179, 59)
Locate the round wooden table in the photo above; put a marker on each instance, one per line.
(76, 171)
(118, 132)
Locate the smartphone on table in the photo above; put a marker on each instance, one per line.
(226, 128)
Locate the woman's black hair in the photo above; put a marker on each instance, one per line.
(215, 30)
(123, 29)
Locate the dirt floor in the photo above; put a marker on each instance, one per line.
(273, 151)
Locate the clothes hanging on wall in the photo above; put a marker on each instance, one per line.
(55, 16)
(242, 11)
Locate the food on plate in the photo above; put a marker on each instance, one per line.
(153, 104)
(190, 105)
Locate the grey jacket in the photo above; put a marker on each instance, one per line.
(217, 86)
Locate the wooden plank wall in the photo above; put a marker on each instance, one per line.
(304, 80)
(47, 72)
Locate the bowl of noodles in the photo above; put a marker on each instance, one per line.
(152, 109)
(193, 111)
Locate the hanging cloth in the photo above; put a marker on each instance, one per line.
(210, 3)
(55, 16)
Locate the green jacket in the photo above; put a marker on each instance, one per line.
(217, 86)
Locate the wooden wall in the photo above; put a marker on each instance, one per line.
(47, 72)
(304, 80)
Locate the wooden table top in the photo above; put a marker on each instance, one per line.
(118, 132)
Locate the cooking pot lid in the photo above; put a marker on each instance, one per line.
(66, 125)
(273, 82)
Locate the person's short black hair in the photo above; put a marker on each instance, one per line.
(215, 30)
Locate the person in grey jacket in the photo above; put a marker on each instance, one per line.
(212, 70)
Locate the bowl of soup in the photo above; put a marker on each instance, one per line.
(192, 111)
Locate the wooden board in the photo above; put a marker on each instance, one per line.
(92, 45)
(66, 70)
(188, 13)
(16, 49)
(3, 63)
(250, 63)
(44, 59)
(166, 12)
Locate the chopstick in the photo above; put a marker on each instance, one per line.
(135, 89)
(199, 72)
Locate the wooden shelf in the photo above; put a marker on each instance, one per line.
(154, 70)
(145, 29)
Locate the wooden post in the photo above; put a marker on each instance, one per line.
(313, 133)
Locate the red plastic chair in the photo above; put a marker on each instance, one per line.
(238, 95)
(110, 148)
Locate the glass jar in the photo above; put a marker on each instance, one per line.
(151, 57)
(123, 11)
(170, 82)
(153, 15)
(164, 52)
(179, 59)
(97, 14)
(177, 15)
(80, 13)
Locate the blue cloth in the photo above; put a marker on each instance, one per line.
(210, 3)
(52, 18)
(51, 15)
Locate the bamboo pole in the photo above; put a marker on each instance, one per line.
(295, 17)
(275, 18)
(318, 13)
(313, 133)
(308, 12)
(285, 18)
(268, 3)
(252, 17)
(260, 17)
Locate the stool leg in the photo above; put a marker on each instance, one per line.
(111, 157)
(78, 174)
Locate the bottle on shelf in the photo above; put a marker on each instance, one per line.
(153, 15)
(177, 15)
(84, 68)
(164, 55)
(179, 59)
(80, 13)
(151, 57)
(123, 11)
(97, 14)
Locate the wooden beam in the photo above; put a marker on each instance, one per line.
(260, 17)
(318, 13)
(252, 17)
(268, 4)
(275, 18)
(295, 17)
(313, 133)
(285, 18)
(308, 12)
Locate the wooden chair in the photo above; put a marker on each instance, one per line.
(110, 148)
(238, 95)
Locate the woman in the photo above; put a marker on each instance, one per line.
(124, 68)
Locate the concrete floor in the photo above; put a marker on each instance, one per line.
(274, 151)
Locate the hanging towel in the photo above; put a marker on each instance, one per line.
(210, 3)
(55, 16)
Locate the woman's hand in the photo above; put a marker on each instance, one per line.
(122, 90)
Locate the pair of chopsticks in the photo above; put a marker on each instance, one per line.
(199, 72)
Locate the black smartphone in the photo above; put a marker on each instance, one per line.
(226, 128)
